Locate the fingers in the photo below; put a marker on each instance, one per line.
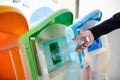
(79, 36)
(83, 46)
(86, 44)
(82, 36)
(79, 48)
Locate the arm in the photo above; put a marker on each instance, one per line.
(99, 30)
(106, 26)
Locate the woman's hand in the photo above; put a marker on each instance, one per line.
(84, 34)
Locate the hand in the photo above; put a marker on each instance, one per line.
(88, 34)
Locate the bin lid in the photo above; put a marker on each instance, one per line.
(63, 16)
(12, 20)
(92, 16)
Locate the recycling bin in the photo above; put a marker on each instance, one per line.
(78, 27)
(13, 61)
(50, 50)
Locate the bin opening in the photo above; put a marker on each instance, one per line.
(56, 53)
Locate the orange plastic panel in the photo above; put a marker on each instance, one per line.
(12, 20)
(6, 69)
(10, 65)
(8, 40)
(12, 25)
(10, 62)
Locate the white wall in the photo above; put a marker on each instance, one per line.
(70, 5)
(29, 6)
(108, 8)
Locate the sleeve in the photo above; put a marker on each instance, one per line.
(106, 26)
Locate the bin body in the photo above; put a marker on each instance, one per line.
(98, 68)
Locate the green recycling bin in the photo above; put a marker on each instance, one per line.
(45, 43)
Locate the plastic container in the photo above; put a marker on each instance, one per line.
(38, 32)
(79, 26)
(13, 61)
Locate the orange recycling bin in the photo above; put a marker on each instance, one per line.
(12, 25)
